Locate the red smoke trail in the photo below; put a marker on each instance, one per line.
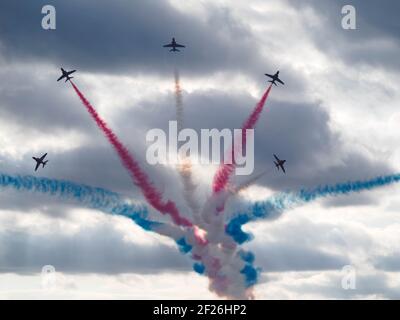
(224, 172)
(151, 194)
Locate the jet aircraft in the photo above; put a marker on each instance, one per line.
(279, 163)
(40, 161)
(66, 75)
(174, 45)
(274, 77)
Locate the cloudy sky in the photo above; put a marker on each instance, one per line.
(335, 120)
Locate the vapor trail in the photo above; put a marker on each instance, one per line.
(96, 198)
(139, 177)
(221, 178)
(276, 205)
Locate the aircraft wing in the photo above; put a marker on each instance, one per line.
(60, 78)
(179, 46)
(269, 75)
(43, 156)
(168, 45)
(71, 72)
(277, 159)
(37, 165)
(280, 81)
(283, 168)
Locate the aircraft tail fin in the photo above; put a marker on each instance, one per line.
(276, 164)
(45, 162)
(273, 82)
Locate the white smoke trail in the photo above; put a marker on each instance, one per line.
(189, 188)
(185, 166)
(178, 100)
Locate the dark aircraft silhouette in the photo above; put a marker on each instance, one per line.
(174, 46)
(279, 163)
(40, 161)
(275, 77)
(66, 75)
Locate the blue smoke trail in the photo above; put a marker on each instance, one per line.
(183, 246)
(276, 205)
(96, 198)
(199, 268)
(250, 272)
(112, 203)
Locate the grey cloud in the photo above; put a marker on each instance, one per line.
(27, 203)
(40, 104)
(37, 107)
(98, 249)
(354, 200)
(101, 36)
(304, 248)
(278, 256)
(376, 21)
(309, 246)
(367, 286)
(389, 262)
(374, 18)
